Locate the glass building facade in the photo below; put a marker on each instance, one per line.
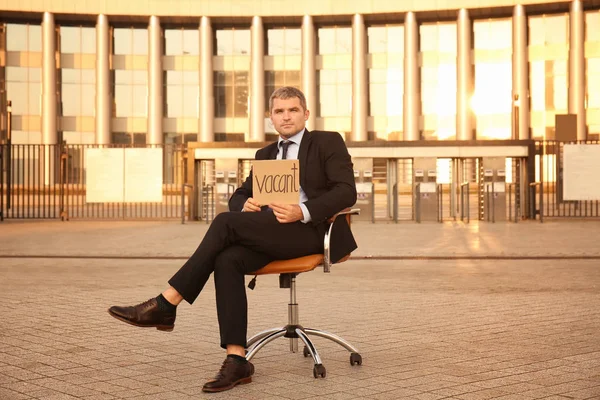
(331, 84)
(130, 80)
(548, 68)
(334, 79)
(22, 80)
(386, 81)
(181, 93)
(77, 77)
(438, 80)
(592, 56)
(283, 63)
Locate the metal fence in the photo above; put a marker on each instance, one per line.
(49, 181)
(546, 192)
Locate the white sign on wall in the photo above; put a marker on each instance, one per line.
(123, 175)
(104, 175)
(143, 175)
(581, 166)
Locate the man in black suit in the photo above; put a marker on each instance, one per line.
(251, 235)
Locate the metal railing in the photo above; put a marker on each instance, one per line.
(50, 182)
(511, 203)
(532, 203)
(465, 194)
(183, 213)
(490, 197)
(418, 202)
(440, 206)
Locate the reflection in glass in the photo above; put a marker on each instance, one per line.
(438, 80)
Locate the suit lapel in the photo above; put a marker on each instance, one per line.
(273, 151)
(302, 155)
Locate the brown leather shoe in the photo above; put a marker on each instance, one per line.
(145, 315)
(231, 373)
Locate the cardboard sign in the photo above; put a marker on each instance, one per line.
(276, 181)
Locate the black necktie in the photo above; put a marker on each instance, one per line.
(284, 145)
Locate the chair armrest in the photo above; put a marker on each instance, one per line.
(326, 245)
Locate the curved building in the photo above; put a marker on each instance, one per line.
(172, 71)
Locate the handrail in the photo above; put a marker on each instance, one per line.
(326, 245)
(183, 201)
(533, 211)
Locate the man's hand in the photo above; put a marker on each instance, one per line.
(286, 213)
(251, 205)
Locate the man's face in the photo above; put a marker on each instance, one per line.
(288, 116)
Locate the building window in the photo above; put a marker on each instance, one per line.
(130, 79)
(77, 78)
(492, 99)
(548, 66)
(231, 94)
(231, 83)
(334, 79)
(438, 80)
(386, 81)
(592, 55)
(232, 42)
(282, 66)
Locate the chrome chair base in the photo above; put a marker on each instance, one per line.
(293, 332)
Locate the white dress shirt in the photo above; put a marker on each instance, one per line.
(292, 154)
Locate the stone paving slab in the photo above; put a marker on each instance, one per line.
(172, 239)
(427, 329)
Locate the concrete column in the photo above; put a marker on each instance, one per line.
(464, 72)
(520, 72)
(412, 88)
(49, 134)
(103, 107)
(155, 82)
(359, 79)
(257, 82)
(309, 71)
(207, 100)
(577, 67)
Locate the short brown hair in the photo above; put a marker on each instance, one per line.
(287, 92)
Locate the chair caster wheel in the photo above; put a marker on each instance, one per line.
(355, 359)
(319, 371)
(306, 352)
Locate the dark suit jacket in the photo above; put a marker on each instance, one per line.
(327, 178)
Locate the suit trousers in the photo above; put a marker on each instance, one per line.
(238, 243)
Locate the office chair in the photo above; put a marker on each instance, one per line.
(288, 270)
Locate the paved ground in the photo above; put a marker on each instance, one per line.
(511, 326)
